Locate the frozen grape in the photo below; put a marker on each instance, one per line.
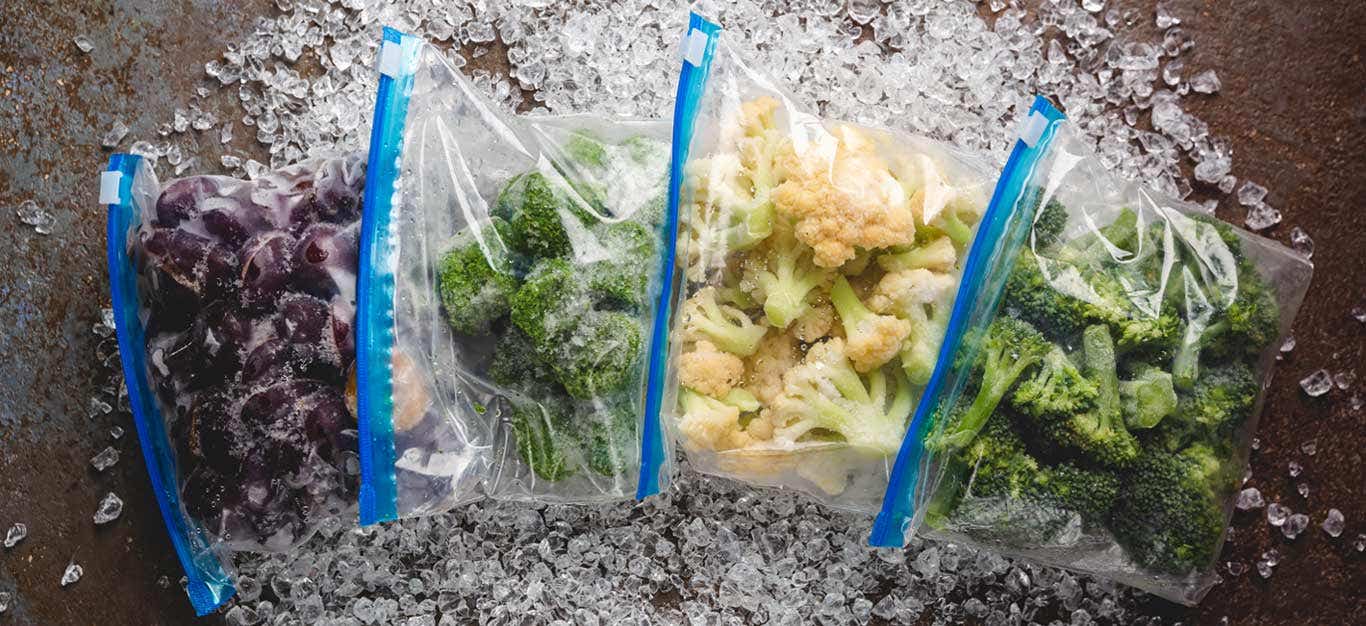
(326, 253)
(303, 319)
(267, 266)
(181, 200)
(196, 263)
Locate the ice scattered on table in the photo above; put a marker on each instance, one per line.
(99, 407)
(1303, 489)
(1360, 543)
(1345, 379)
(116, 432)
(114, 135)
(242, 615)
(15, 534)
(1264, 569)
(1334, 523)
(1295, 525)
(1288, 344)
(1359, 314)
(83, 43)
(1236, 568)
(1294, 468)
(105, 459)
(1250, 498)
(1310, 448)
(111, 507)
(72, 574)
(39, 218)
(1317, 383)
(1251, 194)
(1261, 217)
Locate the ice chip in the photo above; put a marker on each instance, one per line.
(1359, 314)
(72, 574)
(1360, 543)
(99, 407)
(1261, 216)
(15, 534)
(1276, 513)
(1236, 568)
(1251, 194)
(114, 135)
(241, 615)
(105, 459)
(40, 219)
(83, 43)
(1317, 383)
(1206, 82)
(1310, 448)
(1288, 345)
(5, 599)
(1165, 18)
(116, 432)
(1295, 525)
(1345, 379)
(1301, 242)
(1334, 523)
(1303, 489)
(1250, 498)
(1295, 468)
(1264, 569)
(111, 507)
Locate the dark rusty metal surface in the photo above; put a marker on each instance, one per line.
(1293, 106)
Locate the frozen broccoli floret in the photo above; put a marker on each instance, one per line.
(1011, 347)
(1244, 328)
(518, 364)
(585, 151)
(1099, 433)
(611, 444)
(549, 303)
(1049, 224)
(1222, 398)
(474, 293)
(1058, 388)
(545, 434)
(1147, 398)
(622, 280)
(1169, 517)
(600, 355)
(535, 214)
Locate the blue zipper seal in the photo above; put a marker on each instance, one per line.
(209, 585)
(375, 296)
(898, 507)
(692, 82)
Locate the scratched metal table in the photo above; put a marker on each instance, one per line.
(1293, 106)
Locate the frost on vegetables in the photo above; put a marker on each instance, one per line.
(821, 265)
(556, 282)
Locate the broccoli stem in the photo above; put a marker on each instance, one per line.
(955, 227)
(1099, 364)
(1186, 363)
(998, 374)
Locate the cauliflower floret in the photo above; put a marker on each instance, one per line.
(842, 196)
(776, 355)
(710, 424)
(815, 323)
(926, 186)
(872, 339)
(710, 371)
(901, 291)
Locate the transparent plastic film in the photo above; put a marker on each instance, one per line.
(235, 307)
(524, 253)
(819, 263)
(1099, 411)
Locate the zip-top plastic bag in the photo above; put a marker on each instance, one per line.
(820, 260)
(1101, 378)
(234, 302)
(508, 294)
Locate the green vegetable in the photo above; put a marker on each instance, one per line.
(1009, 349)
(600, 356)
(1058, 388)
(1148, 398)
(548, 305)
(622, 280)
(1169, 517)
(1098, 433)
(727, 327)
(473, 292)
(543, 431)
(787, 280)
(536, 216)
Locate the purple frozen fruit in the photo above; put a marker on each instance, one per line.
(182, 200)
(267, 265)
(326, 254)
(200, 265)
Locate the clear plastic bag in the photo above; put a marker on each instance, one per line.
(1108, 379)
(509, 275)
(819, 261)
(234, 302)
